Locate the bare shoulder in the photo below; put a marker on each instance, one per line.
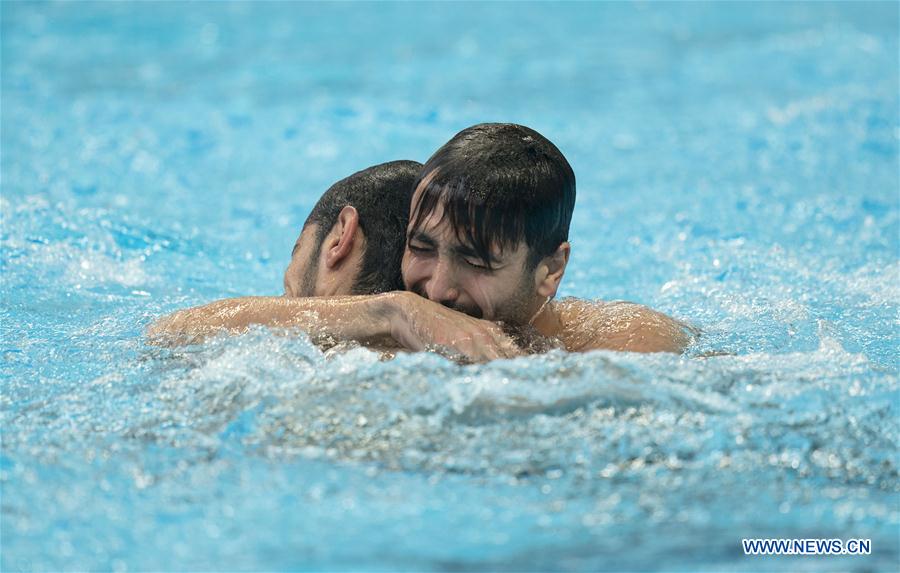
(618, 325)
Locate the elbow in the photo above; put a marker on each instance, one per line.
(160, 332)
(171, 330)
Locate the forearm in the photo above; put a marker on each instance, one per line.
(359, 318)
(409, 320)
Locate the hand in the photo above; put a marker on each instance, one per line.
(420, 324)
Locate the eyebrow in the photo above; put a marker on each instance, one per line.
(422, 238)
(461, 250)
(469, 252)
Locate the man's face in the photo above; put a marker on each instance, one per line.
(439, 266)
(300, 277)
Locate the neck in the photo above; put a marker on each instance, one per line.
(546, 320)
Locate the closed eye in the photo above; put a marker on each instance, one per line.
(420, 249)
(477, 264)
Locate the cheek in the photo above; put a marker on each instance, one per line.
(290, 283)
(413, 269)
(482, 291)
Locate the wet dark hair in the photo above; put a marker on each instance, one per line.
(499, 184)
(381, 195)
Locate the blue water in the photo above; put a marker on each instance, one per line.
(737, 167)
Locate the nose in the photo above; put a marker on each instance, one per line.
(441, 286)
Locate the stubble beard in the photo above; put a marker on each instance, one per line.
(308, 284)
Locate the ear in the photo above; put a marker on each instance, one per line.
(339, 242)
(550, 270)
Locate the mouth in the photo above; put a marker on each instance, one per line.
(472, 311)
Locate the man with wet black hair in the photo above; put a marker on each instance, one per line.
(360, 224)
(488, 236)
(503, 184)
(487, 241)
(499, 189)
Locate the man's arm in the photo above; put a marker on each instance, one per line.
(619, 325)
(412, 321)
(335, 316)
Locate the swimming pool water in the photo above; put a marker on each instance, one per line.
(737, 167)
